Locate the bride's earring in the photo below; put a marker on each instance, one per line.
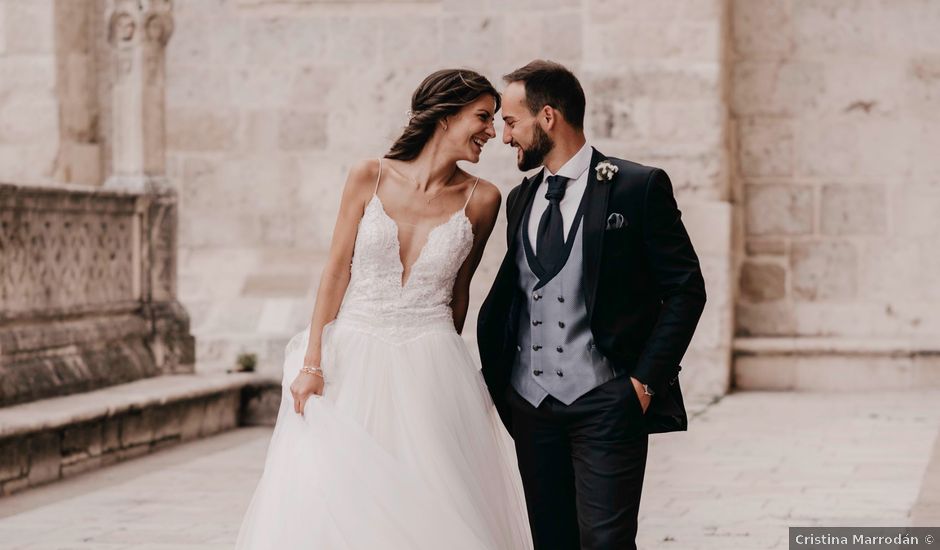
(443, 125)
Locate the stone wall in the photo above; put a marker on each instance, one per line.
(800, 137)
(49, 113)
(836, 107)
(270, 102)
(29, 121)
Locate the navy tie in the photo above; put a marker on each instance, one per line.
(551, 235)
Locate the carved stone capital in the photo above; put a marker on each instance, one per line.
(127, 17)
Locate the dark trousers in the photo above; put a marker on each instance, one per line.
(582, 467)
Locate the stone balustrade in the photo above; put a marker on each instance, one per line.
(87, 291)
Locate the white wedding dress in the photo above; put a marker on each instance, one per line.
(404, 450)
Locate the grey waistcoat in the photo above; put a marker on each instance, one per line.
(556, 354)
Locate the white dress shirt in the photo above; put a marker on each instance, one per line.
(576, 171)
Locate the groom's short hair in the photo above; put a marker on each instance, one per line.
(550, 83)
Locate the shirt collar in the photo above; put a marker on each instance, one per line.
(576, 165)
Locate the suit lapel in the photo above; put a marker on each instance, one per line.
(595, 220)
(518, 209)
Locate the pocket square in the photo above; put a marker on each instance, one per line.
(615, 221)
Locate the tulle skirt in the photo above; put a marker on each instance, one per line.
(404, 450)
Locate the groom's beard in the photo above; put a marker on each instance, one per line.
(533, 157)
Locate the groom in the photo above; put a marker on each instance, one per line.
(592, 309)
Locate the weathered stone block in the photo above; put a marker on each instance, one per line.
(292, 40)
(221, 413)
(620, 119)
(779, 209)
(847, 28)
(776, 88)
(192, 416)
(627, 38)
(764, 319)
(520, 46)
(761, 28)
(14, 458)
(699, 122)
(202, 86)
(194, 129)
(552, 29)
(84, 464)
(29, 26)
(642, 10)
(260, 405)
(81, 163)
(299, 130)
(830, 318)
(823, 270)
(82, 438)
(28, 118)
(409, 40)
(14, 486)
(260, 87)
(137, 428)
(168, 420)
(314, 83)
(110, 434)
(353, 40)
(768, 247)
(762, 282)
(136, 451)
(45, 457)
(826, 147)
(895, 270)
(853, 209)
(914, 208)
(465, 35)
(763, 373)
(765, 146)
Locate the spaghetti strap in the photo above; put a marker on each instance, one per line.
(377, 178)
(472, 189)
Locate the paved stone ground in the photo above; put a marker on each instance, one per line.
(751, 465)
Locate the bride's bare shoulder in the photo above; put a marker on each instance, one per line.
(487, 195)
(363, 174)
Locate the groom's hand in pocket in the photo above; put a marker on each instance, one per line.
(641, 395)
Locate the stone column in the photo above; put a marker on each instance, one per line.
(138, 31)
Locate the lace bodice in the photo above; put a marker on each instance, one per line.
(377, 300)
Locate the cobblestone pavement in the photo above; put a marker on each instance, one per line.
(751, 465)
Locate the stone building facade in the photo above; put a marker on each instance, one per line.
(799, 136)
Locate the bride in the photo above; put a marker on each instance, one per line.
(386, 435)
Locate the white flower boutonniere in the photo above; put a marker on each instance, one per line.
(605, 171)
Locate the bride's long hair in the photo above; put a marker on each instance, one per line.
(441, 94)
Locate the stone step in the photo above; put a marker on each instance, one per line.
(50, 439)
(835, 364)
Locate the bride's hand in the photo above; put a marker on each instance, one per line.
(303, 387)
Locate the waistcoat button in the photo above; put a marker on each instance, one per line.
(561, 299)
(536, 347)
(559, 349)
(559, 373)
(561, 324)
(536, 323)
(536, 372)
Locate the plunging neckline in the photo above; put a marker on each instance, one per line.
(403, 283)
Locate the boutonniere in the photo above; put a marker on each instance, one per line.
(605, 171)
